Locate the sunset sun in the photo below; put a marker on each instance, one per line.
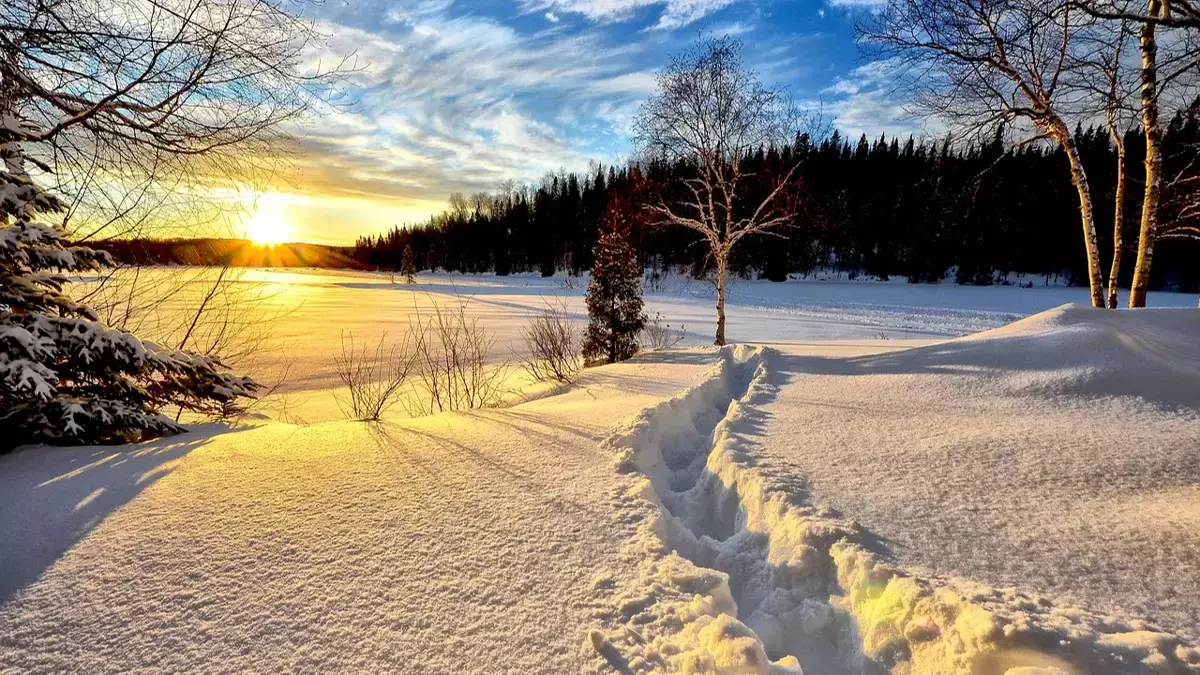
(267, 227)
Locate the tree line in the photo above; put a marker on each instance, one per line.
(877, 206)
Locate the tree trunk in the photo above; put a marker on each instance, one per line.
(1118, 221)
(1146, 235)
(721, 264)
(1087, 215)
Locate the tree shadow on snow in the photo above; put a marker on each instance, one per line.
(51, 498)
(1089, 366)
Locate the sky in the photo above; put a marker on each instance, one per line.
(460, 95)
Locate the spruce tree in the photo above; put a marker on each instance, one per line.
(614, 296)
(408, 267)
(67, 378)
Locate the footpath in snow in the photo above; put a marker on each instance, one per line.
(1034, 489)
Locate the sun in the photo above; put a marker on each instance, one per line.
(267, 227)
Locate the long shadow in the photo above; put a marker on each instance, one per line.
(690, 357)
(514, 473)
(1162, 380)
(51, 498)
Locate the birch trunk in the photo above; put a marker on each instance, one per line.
(1118, 220)
(1086, 213)
(1149, 224)
(722, 260)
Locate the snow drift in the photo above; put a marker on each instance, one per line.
(1075, 350)
(741, 576)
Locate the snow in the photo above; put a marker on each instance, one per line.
(1063, 446)
(416, 545)
(983, 551)
(1022, 500)
(308, 311)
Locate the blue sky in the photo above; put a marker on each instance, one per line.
(459, 95)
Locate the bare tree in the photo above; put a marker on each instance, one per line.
(1180, 207)
(1114, 86)
(1152, 128)
(709, 113)
(980, 63)
(1159, 13)
(1157, 70)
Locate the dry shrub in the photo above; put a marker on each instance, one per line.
(553, 344)
(657, 334)
(453, 363)
(374, 377)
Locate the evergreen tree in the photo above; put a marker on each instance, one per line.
(66, 377)
(614, 296)
(408, 267)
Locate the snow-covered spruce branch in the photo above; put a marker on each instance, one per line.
(67, 377)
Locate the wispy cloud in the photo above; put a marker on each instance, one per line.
(866, 101)
(458, 96)
(460, 103)
(674, 13)
(858, 4)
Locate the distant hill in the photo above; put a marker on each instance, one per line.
(232, 252)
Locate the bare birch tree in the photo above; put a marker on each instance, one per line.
(980, 63)
(1114, 86)
(709, 113)
(1152, 127)
(1116, 130)
(1152, 16)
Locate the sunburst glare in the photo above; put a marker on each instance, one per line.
(267, 226)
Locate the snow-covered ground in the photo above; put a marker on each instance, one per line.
(1023, 500)
(304, 313)
(446, 544)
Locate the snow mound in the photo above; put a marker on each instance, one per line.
(739, 578)
(1074, 350)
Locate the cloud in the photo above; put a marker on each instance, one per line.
(865, 101)
(452, 98)
(858, 4)
(675, 13)
(458, 104)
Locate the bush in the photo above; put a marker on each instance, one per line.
(657, 334)
(553, 345)
(374, 377)
(453, 363)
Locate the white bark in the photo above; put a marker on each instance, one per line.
(1150, 123)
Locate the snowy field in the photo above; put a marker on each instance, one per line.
(299, 317)
(859, 491)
